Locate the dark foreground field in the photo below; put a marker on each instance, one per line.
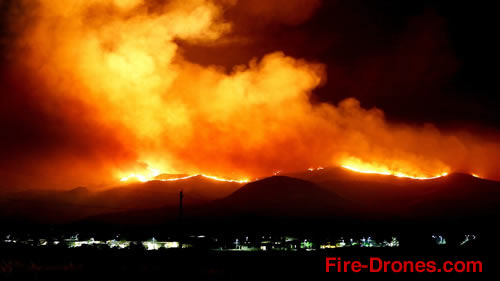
(330, 202)
(185, 264)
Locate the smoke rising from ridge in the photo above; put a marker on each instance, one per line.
(112, 94)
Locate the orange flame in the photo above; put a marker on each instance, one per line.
(153, 176)
(475, 175)
(121, 59)
(356, 165)
(315, 169)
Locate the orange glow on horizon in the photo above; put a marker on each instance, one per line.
(315, 169)
(356, 165)
(145, 178)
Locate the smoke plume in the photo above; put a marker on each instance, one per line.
(106, 92)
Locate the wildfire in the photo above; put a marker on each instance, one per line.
(357, 165)
(136, 95)
(153, 173)
(226, 180)
(143, 178)
(315, 169)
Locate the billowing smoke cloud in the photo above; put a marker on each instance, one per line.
(111, 94)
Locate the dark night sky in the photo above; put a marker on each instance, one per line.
(395, 55)
(419, 61)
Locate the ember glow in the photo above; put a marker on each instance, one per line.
(383, 171)
(114, 74)
(143, 178)
(356, 165)
(315, 169)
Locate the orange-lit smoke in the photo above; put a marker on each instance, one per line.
(122, 60)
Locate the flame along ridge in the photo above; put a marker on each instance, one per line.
(389, 173)
(143, 178)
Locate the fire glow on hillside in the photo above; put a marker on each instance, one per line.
(143, 178)
(356, 165)
(383, 171)
(154, 174)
